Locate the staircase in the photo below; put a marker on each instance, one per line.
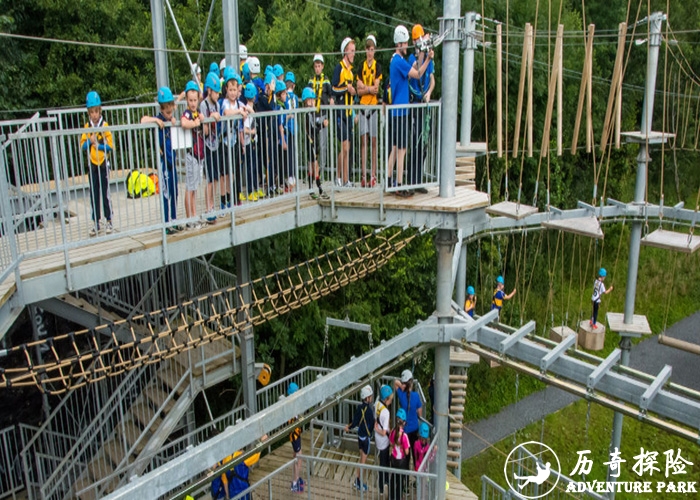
(465, 171)
(460, 360)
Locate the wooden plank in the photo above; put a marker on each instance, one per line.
(584, 226)
(639, 324)
(671, 240)
(511, 210)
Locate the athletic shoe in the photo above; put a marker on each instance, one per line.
(595, 327)
(325, 196)
(193, 226)
(301, 482)
(94, 230)
(291, 182)
(241, 197)
(211, 218)
(261, 194)
(363, 183)
(109, 227)
(348, 184)
(297, 488)
(170, 230)
(339, 182)
(421, 190)
(373, 181)
(253, 197)
(360, 486)
(314, 196)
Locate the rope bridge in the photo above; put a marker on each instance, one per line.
(78, 358)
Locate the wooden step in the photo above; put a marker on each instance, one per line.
(458, 401)
(455, 435)
(457, 386)
(157, 396)
(454, 454)
(455, 377)
(114, 450)
(171, 374)
(459, 409)
(132, 433)
(453, 464)
(459, 393)
(100, 466)
(83, 482)
(142, 413)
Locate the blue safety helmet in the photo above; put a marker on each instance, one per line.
(470, 290)
(191, 85)
(500, 280)
(214, 68)
(250, 91)
(602, 273)
(384, 392)
(401, 414)
(280, 86)
(165, 95)
(293, 387)
(213, 82)
(278, 70)
(229, 74)
(92, 99)
(290, 77)
(424, 430)
(269, 69)
(269, 78)
(246, 72)
(308, 93)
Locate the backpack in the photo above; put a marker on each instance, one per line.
(140, 185)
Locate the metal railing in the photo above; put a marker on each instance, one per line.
(270, 394)
(11, 477)
(56, 197)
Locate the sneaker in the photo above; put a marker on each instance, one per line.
(363, 183)
(179, 227)
(595, 327)
(301, 482)
(241, 197)
(360, 486)
(297, 488)
(339, 182)
(170, 230)
(315, 196)
(325, 196)
(373, 181)
(422, 190)
(253, 197)
(281, 190)
(211, 218)
(291, 182)
(94, 230)
(348, 184)
(109, 227)
(193, 226)
(261, 194)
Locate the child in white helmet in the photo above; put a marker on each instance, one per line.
(598, 292)
(363, 419)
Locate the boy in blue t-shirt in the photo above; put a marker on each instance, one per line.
(291, 103)
(168, 184)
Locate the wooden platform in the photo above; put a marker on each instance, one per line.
(639, 326)
(671, 240)
(511, 210)
(463, 358)
(465, 198)
(590, 338)
(583, 226)
(559, 333)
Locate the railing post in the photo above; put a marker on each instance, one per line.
(61, 209)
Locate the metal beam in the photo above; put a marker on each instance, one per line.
(557, 352)
(660, 380)
(351, 325)
(159, 44)
(602, 369)
(516, 337)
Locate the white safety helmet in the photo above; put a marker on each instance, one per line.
(319, 58)
(254, 65)
(243, 52)
(222, 64)
(196, 69)
(371, 38)
(401, 34)
(366, 392)
(345, 43)
(406, 375)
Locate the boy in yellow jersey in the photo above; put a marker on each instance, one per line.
(369, 80)
(499, 295)
(97, 145)
(324, 97)
(344, 92)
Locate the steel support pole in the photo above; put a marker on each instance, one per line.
(461, 281)
(643, 160)
(450, 77)
(445, 242)
(247, 341)
(158, 23)
(231, 34)
(465, 136)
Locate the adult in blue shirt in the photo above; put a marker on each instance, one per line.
(420, 90)
(410, 401)
(399, 73)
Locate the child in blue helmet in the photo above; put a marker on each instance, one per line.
(382, 429)
(295, 438)
(499, 295)
(250, 144)
(191, 120)
(232, 132)
(598, 292)
(363, 419)
(399, 454)
(97, 146)
(281, 163)
(420, 448)
(213, 152)
(470, 302)
(168, 183)
(314, 123)
(291, 103)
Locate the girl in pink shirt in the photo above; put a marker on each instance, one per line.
(400, 449)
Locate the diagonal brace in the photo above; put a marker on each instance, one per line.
(557, 352)
(515, 337)
(654, 388)
(603, 368)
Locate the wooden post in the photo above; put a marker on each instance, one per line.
(499, 91)
(615, 86)
(521, 88)
(553, 81)
(560, 88)
(531, 56)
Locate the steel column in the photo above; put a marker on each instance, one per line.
(450, 75)
(158, 23)
(231, 34)
(643, 159)
(461, 281)
(465, 136)
(246, 339)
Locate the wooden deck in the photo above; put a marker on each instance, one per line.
(329, 480)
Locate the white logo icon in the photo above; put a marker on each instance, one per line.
(528, 469)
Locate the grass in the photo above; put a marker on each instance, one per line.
(569, 431)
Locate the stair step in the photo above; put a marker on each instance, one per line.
(158, 397)
(170, 374)
(142, 413)
(454, 454)
(100, 466)
(132, 433)
(459, 393)
(455, 435)
(455, 377)
(83, 482)
(456, 409)
(457, 385)
(458, 401)
(114, 451)
(453, 464)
